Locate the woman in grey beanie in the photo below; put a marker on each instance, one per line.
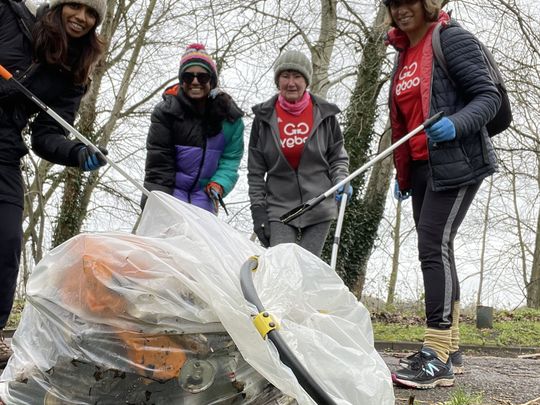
(98, 6)
(52, 54)
(296, 153)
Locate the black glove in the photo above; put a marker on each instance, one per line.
(91, 158)
(261, 225)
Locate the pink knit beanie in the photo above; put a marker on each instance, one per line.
(196, 55)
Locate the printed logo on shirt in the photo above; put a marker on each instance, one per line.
(407, 78)
(296, 134)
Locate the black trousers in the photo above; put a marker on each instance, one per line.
(437, 216)
(311, 237)
(11, 214)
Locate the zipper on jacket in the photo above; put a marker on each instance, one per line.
(301, 196)
(430, 96)
(203, 158)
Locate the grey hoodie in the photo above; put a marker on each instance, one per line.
(275, 186)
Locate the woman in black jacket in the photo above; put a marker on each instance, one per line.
(52, 55)
(196, 136)
(442, 168)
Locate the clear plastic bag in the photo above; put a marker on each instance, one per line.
(159, 318)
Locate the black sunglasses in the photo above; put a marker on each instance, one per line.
(202, 78)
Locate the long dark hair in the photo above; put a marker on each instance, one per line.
(220, 108)
(53, 46)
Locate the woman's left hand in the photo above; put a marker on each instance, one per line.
(341, 190)
(442, 131)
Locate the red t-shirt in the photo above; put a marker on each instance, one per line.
(293, 132)
(409, 100)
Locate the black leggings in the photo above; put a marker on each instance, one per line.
(437, 216)
(10, 253)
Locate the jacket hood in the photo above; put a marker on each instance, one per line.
(31, 6)
(399, 40)
(172, 90)
(176, 102)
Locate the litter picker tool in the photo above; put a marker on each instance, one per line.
(268, 328)
(339, 226)
(299, 210)
(6, 75)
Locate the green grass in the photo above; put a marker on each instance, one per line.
(15, 315)
(517, 328)
(510, 328)
(460, 397)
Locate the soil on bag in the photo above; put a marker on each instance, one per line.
(490, 380)
(487, 380)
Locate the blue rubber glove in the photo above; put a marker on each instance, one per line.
(91, 158)
(341, 190)
(441, 131)
(399, 194)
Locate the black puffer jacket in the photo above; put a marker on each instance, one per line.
(187, 148)
(51, 84)
(470, 103)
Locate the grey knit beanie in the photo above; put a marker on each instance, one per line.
(99, 5)
(293, 60)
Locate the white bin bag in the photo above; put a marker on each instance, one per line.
(180, 276)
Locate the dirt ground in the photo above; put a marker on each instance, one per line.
(499, 381)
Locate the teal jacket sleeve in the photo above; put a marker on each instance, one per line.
(227, 172)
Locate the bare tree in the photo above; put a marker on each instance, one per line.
(351, 67)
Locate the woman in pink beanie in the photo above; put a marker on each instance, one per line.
(195, 141)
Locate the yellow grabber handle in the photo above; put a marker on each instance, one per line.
(265, 323)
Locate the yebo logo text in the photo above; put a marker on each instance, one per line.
(297, 135)
(407, 79)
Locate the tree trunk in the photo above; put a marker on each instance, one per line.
(484, 242)
(395, 257)
(321, 52)
(364, 214)
(370, 213)
(533, 287)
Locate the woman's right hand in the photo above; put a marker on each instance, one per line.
(263, 234)
(92, 158)
(401, 195)
(261, 227)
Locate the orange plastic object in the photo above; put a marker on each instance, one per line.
(155, 357)
(5, 73)
(158, 357)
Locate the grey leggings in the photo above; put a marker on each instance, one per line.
(311, 237)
